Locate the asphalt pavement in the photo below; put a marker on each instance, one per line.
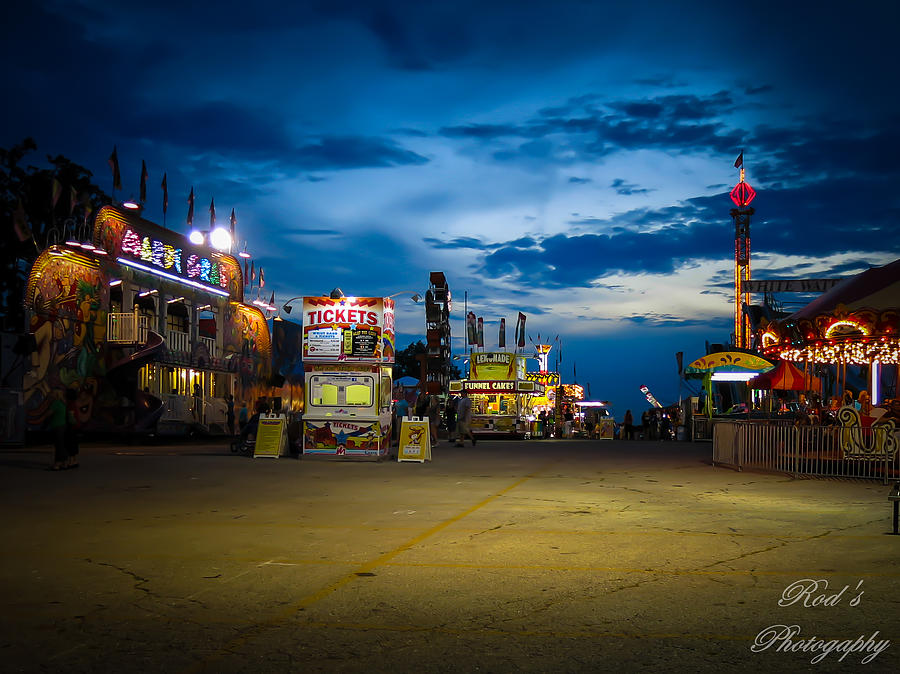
(532, 556)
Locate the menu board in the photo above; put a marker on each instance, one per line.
(358, 329)
(324, 342)
(364, 342)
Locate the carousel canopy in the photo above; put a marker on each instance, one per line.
(857, 321)
(785, 377)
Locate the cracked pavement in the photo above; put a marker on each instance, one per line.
(536, 556)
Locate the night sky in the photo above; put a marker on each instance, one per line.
(567, 159)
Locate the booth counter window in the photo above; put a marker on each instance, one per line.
(341, 390)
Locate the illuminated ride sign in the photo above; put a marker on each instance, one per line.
(650, 397)
(164, 259)
(544, 378)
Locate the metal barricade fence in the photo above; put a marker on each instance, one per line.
(824, 451)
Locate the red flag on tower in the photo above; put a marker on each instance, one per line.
(73, 199)
(501, 342)
(144, 177)
(262, 278)
(165, 189)
(252, 273)
(212, 213)
(740, 160)
(233, 221)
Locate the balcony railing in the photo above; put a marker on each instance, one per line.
(177, 340)
(210, 343)
(124, 328)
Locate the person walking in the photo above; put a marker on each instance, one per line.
(57, 426)
(464, 420)
(450, 418)
(229, 413)
(629, 425)
(71, 428)
(433, 412)
(243, 416)
(401, 410)
(197, 409)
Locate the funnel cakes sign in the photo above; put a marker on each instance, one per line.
(357, 329)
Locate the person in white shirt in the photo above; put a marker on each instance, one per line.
(464, 420)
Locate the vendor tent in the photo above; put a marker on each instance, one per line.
(785, 377)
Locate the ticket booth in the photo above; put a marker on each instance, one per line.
(348, 354)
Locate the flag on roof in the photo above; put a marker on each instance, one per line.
(190, 217)
(114, 166)
(144, 176)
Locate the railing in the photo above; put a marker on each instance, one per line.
(215, 412)
(177, 408)
(833, 451)
(177, 340)
(184, 410)
(127, 328)
(210, 343)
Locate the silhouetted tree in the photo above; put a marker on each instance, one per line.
(40, 223)
(406, 364)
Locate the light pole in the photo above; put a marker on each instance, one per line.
(415, 296)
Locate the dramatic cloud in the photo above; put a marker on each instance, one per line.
(568, 159)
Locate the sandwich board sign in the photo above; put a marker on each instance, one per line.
(415, 440)
(270, 437)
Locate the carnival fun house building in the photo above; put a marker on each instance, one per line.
(149, 330)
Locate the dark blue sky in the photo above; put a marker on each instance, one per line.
(569, 159)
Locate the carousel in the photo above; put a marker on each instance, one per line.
(855, 324)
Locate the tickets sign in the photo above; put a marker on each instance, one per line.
(357, 329)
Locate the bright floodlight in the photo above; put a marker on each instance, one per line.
(196, 237)
(220, 238)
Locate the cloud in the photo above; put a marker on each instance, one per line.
(344, 152)
(627, 189)
(587, 128)
(808, 219)
(457, 242)
(311, 232)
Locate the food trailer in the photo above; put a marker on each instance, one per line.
(501, 395)
(348, 355)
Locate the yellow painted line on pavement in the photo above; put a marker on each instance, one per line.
(550, 634)
(593, 569)
(291, 609)
(661, 572)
